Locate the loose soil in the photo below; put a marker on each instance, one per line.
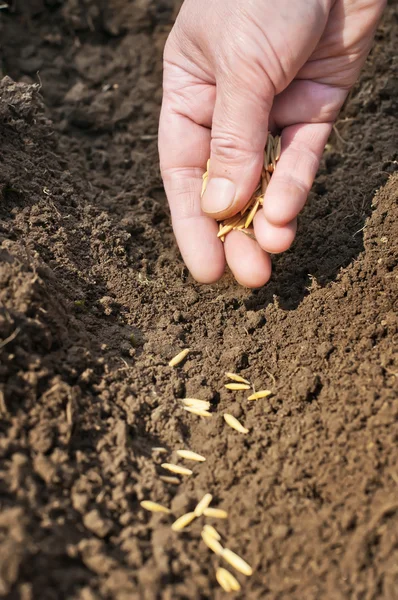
(94, 301)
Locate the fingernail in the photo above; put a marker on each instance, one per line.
(219, 195)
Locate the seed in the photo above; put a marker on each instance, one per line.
(196, 403)
(198, 411)
(260, 394)
(212, 531)
(160, 450)
(188, 455)
(264, 184)
(237, 386)
(154, 507)
(176, 469)
(212, 543)
(224, 230)
(227, 581)
(277, 145)
(179, 357)
(208, 165)
(203, 504)
(183, 521)
(252, 214)
(246, 207)
(237, 562)
(171, 480)
(237, 378)
(267, 154)
(234, 423)
(216, 513)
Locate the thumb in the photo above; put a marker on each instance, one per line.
(238, 136)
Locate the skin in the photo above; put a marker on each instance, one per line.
(234, 69)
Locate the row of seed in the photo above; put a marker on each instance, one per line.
(209, 534)
(243, 220)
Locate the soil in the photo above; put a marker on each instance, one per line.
(95, 300)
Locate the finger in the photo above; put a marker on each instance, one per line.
(302, 147)
(239, 132)
(250, 265)
(307, 102)
(183, 150)
(274, 239)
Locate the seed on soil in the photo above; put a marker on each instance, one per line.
(183, 521)
(227, 581)
(260, 394)
(154, 507)
(234, 423)
(160, 450)
(188, 455)
(212, 531)
(237, 562)
(203, 504)
(171, 480)
(179, 357)
(196, 403)
(212, 543)
(198, 411)
(236, 377)
(215, 513)
(237, 386)
(177, 469)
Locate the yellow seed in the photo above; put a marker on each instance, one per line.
(183, 521)
(215, 513)
(237, 386)
(212, 531)
(224, 230)
(188, 455)
(203, 504)
(247, 206)
(205, 175)
(260, 394)
(237, 562)
(198, 411)
(176, 469)
(237, 378)
(252, 214)
(171, 480)
(160, 450)
(154, 507)
(196, 403)
(212, 543)
(278, 144)
(234, 423)
(208, 165)
(179, 357)
(227, 581)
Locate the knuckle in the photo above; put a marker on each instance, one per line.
(227, 147)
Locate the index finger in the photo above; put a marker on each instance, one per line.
(184, 147)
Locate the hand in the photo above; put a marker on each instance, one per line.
(234, 69)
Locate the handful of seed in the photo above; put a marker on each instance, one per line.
(243, 220)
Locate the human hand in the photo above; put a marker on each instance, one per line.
(234, 69)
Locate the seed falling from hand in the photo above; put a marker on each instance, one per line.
(177, 469)
(227, 581)
(237, 378)
(215, 513)
(260, 394)
(183, 521)
(212, 543)
(234, 423)
(154, 507)
(188, 455)
(179, 357)
(237, 562)
(237, 386)
(203, 504)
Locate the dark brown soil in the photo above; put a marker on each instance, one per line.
(94, 301)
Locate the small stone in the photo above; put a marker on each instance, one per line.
(95, 523)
